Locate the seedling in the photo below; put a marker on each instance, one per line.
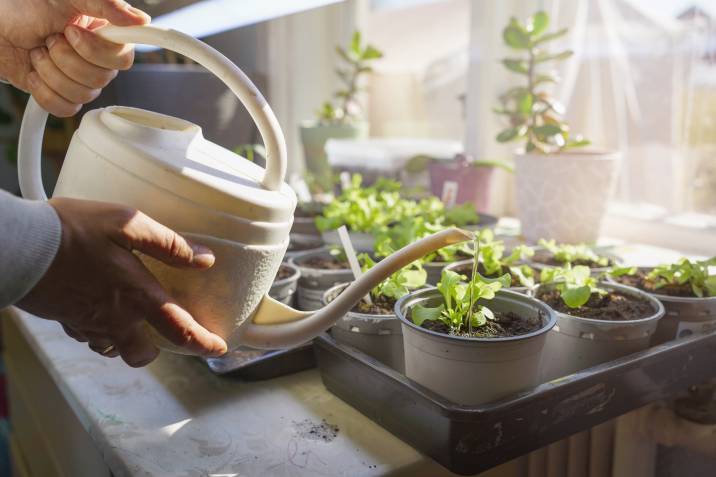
(533, 116)
(570, 254)
(398, 284)
(494, 262)
(345, 108)
(410, 229)
(574, 284)
(695, 273)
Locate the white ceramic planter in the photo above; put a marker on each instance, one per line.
(564, 196)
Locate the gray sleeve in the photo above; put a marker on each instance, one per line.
(30, 233)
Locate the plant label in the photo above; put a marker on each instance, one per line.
(345, 178)
(449, 194)
(298, 184)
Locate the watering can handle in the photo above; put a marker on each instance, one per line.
(35, 118)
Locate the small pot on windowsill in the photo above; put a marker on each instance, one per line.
(301, 243)
(564, 196)
(320, 270)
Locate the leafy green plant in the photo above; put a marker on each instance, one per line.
(357, 59)
(566, 253)
(398, 284)
(696, 273)
(575, 285)
(411, 229)
(532, 115)
(251, 151)
(494, 261)
(459, 310)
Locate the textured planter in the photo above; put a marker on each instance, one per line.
(313, 283)
(314, 137)
(301, 243)
(474, 370)
(457, 267)
(564, 196)
(284, 290)
(683, 316)
(473, 182)
(579, 343)
(362, 241)
(379, 336)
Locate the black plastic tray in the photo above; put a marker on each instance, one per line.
(254, 365)
(471, 439)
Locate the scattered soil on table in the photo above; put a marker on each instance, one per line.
(613, 306)
(323, 431)
(467, 271)
(639, 281)
(504, 325)
(325, 263)
(546, 258)
(381, 306)
(283, 273)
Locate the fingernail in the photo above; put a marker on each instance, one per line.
(138, 13)
(50, 41)
(203, 256)
(72, 35)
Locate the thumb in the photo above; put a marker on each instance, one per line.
(118, 12)
(148, 236)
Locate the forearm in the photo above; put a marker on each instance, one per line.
(30, 234)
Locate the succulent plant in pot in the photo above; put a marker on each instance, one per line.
(373, 327)
(687, 289)
(320, 270)
(562, 190)
(341, 117)
(596, 321)
(473, 342)
(551, 254)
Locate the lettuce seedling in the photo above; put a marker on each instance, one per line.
(398, 284)
(493, 261)
(565, 253)
(411, 229)
(459, 310)
(695, 273)
(575, 285)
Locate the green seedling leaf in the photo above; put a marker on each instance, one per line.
(508, 135)
(548, 130)
(516, 37)
(576, 297)
(550, 36)
(540, 22)
(517, 66)
(622, 271)
(420, 314)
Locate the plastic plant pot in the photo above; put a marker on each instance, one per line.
(579, 343)
(304, 219)
(378, 336)
(284, 290)
(474, 370)
(362, 241)
(301, 243)
(614, 259)
(683, 316)
(314, 282)
(462, 265)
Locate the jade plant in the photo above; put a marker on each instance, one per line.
(696, 274)
(532, 115)
(398, 284)
(573, 254)
(357, 58)
(575, 285)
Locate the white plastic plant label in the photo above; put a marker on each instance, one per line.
(449, 194)
(688, 328)
(298, 184)
(345, 179)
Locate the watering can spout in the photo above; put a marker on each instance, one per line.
(275, 325)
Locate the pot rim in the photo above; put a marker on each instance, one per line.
(658, 314)
(612, 256)
(543, 307)
(304, 254)
(660, 297)
(292, 278)
(341, 287)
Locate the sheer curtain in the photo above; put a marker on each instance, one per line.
(629, 86)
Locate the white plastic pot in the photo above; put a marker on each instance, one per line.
(564, 196)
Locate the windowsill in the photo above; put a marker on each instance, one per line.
(690, 232)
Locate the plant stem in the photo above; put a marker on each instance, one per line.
(532, 120)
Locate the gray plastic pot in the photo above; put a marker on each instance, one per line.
(683, 316)
(379, 336)
(595, 270)
(302, 243)
(579, 343)
(434, 270)
(284, 290)
(474, 370)
(457, 266)
(314, 282)
(362, 241)
(305, 226)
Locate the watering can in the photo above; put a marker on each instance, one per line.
(164, 167)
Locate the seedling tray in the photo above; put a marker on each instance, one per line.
(471, 439)
(254, 365)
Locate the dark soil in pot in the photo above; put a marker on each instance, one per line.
(466, 270)
(283, 273)
(504, 324)
(382, 305)
(614, 306)
(545, 257)
(325, 263)
(640, 281)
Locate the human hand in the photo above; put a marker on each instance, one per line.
(49, 48)
(101, 292)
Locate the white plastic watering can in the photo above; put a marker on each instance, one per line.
(164, 167)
